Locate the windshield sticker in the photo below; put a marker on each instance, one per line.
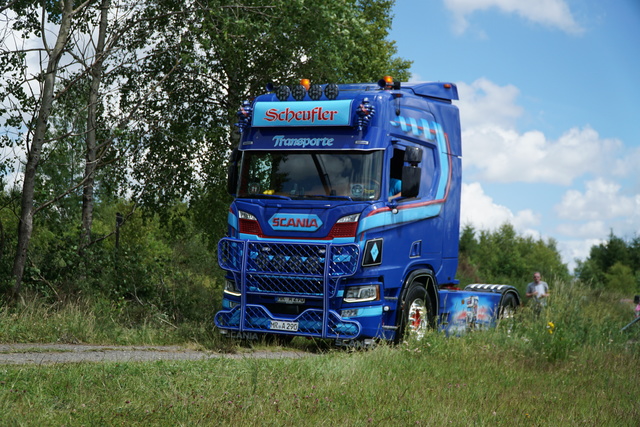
(281, 141)
(304, 113)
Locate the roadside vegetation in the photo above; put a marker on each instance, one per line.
(571, 365)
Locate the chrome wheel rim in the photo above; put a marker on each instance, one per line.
(417, 319)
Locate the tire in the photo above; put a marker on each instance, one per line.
(416, 314)
(508, 306)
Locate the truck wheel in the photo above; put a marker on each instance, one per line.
(415, 315)
(507, 307)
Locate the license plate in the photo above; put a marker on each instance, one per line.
(283, 326)
(290, 300)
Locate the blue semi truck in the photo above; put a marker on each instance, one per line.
(346, 216)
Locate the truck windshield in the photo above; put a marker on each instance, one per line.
(319, 174)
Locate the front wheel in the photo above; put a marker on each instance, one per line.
(415, 319)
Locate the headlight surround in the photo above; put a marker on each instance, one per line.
(362, 293)
(231, 288)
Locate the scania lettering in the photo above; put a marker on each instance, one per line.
(294, 223)
(346, 217)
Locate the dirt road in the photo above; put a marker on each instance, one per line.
(70, 353)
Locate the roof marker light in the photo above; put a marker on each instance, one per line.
(387, 83)
(306, 83)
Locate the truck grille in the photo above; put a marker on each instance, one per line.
(289, 268)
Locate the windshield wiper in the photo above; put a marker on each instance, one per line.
(323, 196)
(324, 176)
(267, 196)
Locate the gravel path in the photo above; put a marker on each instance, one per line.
(70, 353)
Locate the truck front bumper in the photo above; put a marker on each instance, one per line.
(310, 323)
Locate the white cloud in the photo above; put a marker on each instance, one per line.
(504, 155)
(479, 210)
(572, 250)
(484, 102)
(494, 150)
(552, 13)
(583, 230)
(628, 164)
(601, 201)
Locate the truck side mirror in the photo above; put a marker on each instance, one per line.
(411, 174)
(413, 155)
(232, 172)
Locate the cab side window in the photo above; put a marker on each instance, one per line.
(429, 172)
(395, 173)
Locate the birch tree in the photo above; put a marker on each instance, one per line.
(38, 127)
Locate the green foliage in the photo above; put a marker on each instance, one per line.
(614, 264)
(502, 256)
(165, 112)
(163, 268)
(620, 278)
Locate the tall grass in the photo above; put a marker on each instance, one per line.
(581, 371)
(576, 318)
(98, 321)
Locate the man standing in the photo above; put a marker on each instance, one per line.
(538, 290)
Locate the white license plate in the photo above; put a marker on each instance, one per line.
(290, 300)
(283, 326)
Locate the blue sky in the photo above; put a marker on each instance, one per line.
(550, 94)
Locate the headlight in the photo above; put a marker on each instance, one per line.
(246, 215)
(348, 218)
(362, 293)
(231, 288)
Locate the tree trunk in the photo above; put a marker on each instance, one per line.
(91, 154)
(25, 226)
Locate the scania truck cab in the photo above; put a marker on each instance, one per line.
(346, 217)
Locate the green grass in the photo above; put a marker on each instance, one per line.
(580, 371)
(461, 383)
(88, 321)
